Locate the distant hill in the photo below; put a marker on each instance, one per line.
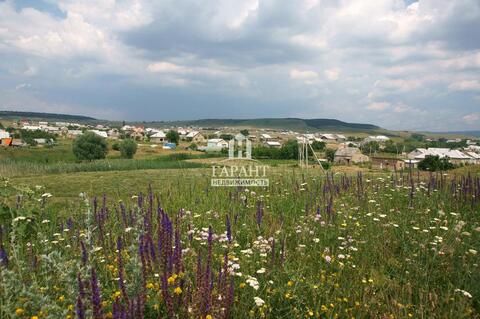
(284, 123)
(46, 116)
(465, 133)
(294, 124)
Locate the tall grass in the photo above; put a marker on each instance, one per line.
(13, 167)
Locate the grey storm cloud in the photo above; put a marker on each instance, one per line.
(393, 63)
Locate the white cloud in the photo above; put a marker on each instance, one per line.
(332, 74)
(471, 118)
(297, 74)
(465, 85)
(378, 106)
(167, 67)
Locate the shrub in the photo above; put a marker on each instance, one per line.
(116, 146)
(330, 154)
(128, 148)
(89, 146)
(173, 136)
(192, 147)
(435, 163)
(318, 146)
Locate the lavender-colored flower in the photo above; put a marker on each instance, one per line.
(95, 299)
(3, 256)
(80, 308)
(84, 253)
(229, 229)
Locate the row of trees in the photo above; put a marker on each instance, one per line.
(89, 146)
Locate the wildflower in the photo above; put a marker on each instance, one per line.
(328, 259)
(465, 293)
(259, 301)
(34, 317)
(19, 311)
(290, 283)
(171, 279)
(261, 271)
(208, 317)
(178, 291)
(242, 285)
(472, 251)
(61, 298)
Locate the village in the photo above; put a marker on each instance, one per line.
(378, 152)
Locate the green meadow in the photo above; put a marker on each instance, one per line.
(150, 238)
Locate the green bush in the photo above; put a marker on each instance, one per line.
(116, 146)
(435, 163)
(89, 146)
(173, 136)
(330, 155)
(128, 148)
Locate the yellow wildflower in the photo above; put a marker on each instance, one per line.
(34, 317)
(61, 298)
(19, 311)
(290, 283)
(150, 285)
(178, 290)
(208, 317)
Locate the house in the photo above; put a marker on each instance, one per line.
(73, 133)
(113, 134)
(273, 144)
(411, 163)
(52, 129)
(216, 144)
(31, 128)
(17, 142)
(328, 137)
(349, 155)
(265, 137)
(4, 134)
(387, 163)
(158, 137)
(196, 137)
(6, 141)
(378, 139)
(127, 128)
(100, 133)
(474, 156)
(454, 156)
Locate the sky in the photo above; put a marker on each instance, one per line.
(403, 65)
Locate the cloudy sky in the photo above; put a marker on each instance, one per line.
(395, 63)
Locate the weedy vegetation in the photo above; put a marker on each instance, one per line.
(308, 246)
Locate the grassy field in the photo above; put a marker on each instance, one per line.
(158, 243)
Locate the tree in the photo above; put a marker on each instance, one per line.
(435, 163)
(89, 146)
(116, 146)
(128, 148)
(227, 137)
(173, 136)
(244, 132)
(318, 146)
(330, 154)
(370, 147)
(417, 137)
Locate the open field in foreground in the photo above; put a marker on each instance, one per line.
(308, 246)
